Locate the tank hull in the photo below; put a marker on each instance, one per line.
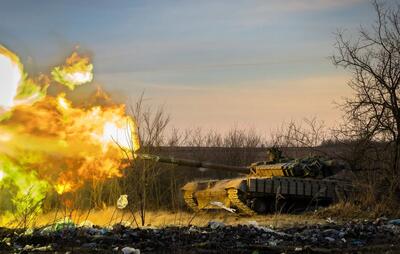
(252, 195)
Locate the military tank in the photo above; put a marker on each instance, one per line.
(266, 186)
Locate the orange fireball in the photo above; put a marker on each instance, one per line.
(59, 142)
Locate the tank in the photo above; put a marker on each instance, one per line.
(276, 184)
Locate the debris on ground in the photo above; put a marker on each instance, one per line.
(353, 236)
(395, 222)
(221, 205)
(215, 224)
(130, 250)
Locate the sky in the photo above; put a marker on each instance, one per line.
(211, 64)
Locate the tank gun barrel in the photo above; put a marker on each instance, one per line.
(192, 163)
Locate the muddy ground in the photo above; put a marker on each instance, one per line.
(356, 236)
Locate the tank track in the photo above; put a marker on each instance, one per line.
(190, 201)
(235, 200)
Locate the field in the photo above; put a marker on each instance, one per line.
(110, 231)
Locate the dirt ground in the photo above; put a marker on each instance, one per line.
(112, 231)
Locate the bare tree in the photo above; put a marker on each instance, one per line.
(213, 139)
(308, 135)
(141, 180)
(151, 123)
(372, 114)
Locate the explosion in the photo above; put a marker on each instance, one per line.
(76, 71)
(48, 143)
(10, 77)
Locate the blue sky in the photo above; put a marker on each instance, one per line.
(211, 63)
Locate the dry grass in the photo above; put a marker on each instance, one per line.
(371, 210)
(109, 216)
(344, 211)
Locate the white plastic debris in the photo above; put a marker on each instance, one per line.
(203, 169)
(219, 204)
(122, 201)
(43, 248)
(193, 230)
(269, 230)
(215, 224)
(130, 250)
(64, 223)
(330, 239)
(29, 231)
(27, 247)
(330, 220)
(394, 222)
(273, 243)
(7, 240)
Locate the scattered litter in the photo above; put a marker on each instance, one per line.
(215, 224)
(269, 230)
(330, 239)
(380, 220)
(330, 220)
(219, 204)
(28, 231)
(193, 229)
(273, 243)
(122, 201)
(89, 245)
(130, 250)
(28, 247)
(7, 241)
(43, 248)
(331, 232)
(358, 243)
(395, 222)
(65, 223)
(355, 233)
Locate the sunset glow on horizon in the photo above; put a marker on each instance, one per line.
(212, 64)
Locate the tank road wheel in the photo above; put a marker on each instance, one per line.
(190, 201)
(259, 205)
(233, 195)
